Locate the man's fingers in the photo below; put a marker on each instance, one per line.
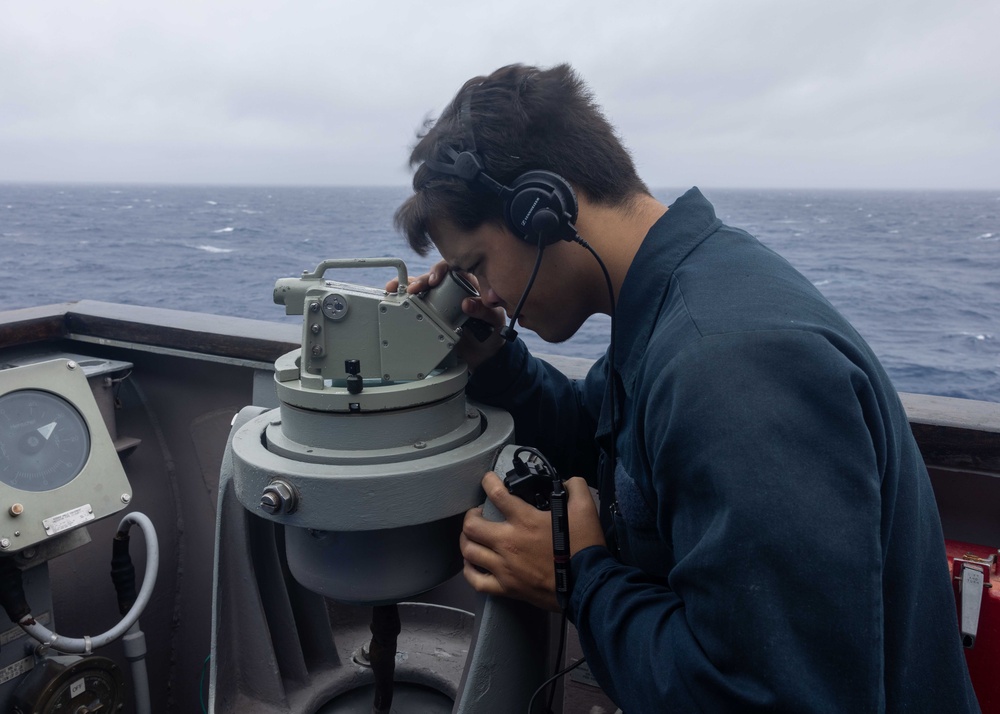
(430, 279)
(481, 581)
(507, 503)
(584, 522)
(477, 554)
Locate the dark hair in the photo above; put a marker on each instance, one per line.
(522, 118)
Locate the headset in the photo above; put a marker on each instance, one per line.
(539, 207)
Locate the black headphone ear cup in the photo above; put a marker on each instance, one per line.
(541, 208)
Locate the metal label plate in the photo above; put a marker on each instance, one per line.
(70, 519)
(16, 669)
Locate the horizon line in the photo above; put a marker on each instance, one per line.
(404, 186)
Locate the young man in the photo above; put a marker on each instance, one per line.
(768, 538)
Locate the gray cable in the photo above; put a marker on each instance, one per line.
(85, 644)
(134, 643)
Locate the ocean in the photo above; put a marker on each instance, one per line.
(917, 273)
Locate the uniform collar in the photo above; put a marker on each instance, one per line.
(688, 221)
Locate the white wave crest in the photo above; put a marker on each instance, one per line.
(227, 229)
(214, 249)
(977, 336)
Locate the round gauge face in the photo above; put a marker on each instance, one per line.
(93, 684)
(44, 440)
(89, 690)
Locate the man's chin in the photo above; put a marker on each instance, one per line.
(551, 335)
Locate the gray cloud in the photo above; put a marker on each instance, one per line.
(719, 93)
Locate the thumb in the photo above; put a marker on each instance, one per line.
(578, 490)
(584, 522)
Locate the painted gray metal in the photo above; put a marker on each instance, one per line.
(370, 496)
(347, 436)
(510, 655)
(395, 336)
(364, 495)
(264, 623)
(98, 490)
(312, 392)
(375, 567)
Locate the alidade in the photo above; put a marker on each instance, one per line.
(390, 337)
(374, 454)
(358, 483)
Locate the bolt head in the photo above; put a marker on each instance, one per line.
(4, 543)
(126, 497)
(270, 502)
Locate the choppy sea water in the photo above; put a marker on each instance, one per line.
(917, 273)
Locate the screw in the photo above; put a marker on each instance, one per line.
(419, 445)
(126, 498)
(314, 329)
(16, 509)
(270, 502)
(4, 543)
(314, 307)
(71, 365)
(383, 309)
(419, 317)
(317, 351)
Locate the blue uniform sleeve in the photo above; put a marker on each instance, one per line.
(551, 412)
(764, 455)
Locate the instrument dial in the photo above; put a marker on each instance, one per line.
(44, 440)
(88, 686)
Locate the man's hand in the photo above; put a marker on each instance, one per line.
(516, 554)
(471, 350)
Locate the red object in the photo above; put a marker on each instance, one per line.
(975, 572)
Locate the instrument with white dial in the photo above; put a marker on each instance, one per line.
(58, 466)
(44, 441)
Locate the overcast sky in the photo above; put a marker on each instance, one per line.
(718, 93)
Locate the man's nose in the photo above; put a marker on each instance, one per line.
(490, 298)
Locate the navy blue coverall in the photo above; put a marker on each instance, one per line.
(779, 547)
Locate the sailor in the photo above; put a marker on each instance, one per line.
(767, 539)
